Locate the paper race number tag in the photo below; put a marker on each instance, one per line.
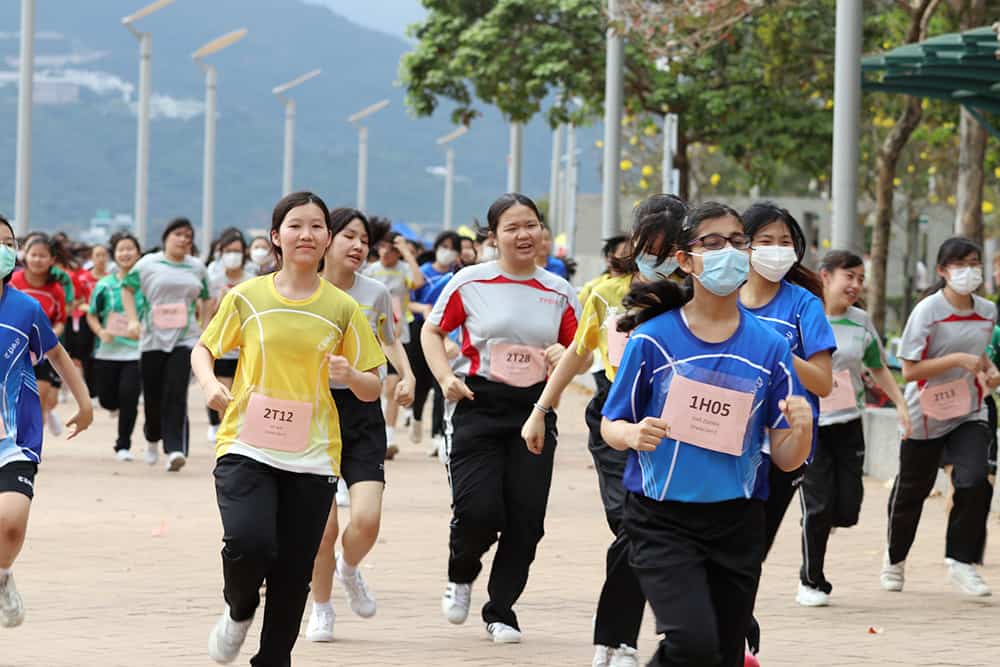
(117, 324)
(271, 423)
(707, 416)
(517, 365)
(842, 397)
(616, 341)
(170, 315)
(946, 401)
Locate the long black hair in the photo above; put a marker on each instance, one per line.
(764, 213)
(954, 249)
(647, 300)
(657, 216)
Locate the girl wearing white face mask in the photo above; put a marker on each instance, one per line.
(948, 373)
(652, 257)
(229, 270)
(261, 255)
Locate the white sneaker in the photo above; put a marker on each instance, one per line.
(124, 455)
(601, 656)
(442, 450)
(152, 453)
(455, 602)
(416, 431)
(226, 638)
(624, 656)
(213, 431)
(503, 633)
(892, 575)
(320, 628)
(390, 434)
(360, 598)
(812, 597)
(11, 605)
(343, 497)
(175, 461)
(55, 426)
(965, 577)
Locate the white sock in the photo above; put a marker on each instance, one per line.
(4, 571)
(323, 606)
(390, 433)
(344, 568)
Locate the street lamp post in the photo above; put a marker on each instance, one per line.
(141, 213)
(515, 157)
(554, 191)
(449, 177)
(354, 120)
(613, 94)
(289, 157)
(847, 234)
(208, 175)
(22, 196)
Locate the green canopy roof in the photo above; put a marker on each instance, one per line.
(960, 67)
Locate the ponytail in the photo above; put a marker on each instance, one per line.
(647, 300)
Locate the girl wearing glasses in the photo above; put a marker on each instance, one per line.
(652, 257)
(700, 385)
(948, 374)
(832, 489)
(26, 336)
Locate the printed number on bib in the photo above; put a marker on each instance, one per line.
(170, 315)
(117, 324)
(271, 423)
(946, 401)
(707, 416)
(616, 341)
(517, 365)
(842, 397)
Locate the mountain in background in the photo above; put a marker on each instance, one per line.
(84, 121)
(388, 16)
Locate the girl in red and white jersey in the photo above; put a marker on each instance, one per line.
(515, 321)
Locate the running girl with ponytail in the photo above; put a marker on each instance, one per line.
(947, 374)
(701, 384)
(833, 489)
(652, 257)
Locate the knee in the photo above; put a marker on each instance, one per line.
(251, 547)
(366, 525)
(970, 477)
(11, 531)
(479, 516)
(690, 646)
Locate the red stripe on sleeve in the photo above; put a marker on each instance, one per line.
(454, 312)
(567, 327)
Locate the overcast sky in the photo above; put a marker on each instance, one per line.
(391, 16)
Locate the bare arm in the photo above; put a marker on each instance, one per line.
(217, 395)
(67, 370)
(816, 373)
(432, 339)
(883, 378)
(131, 312)
(927, 369)
(790, 447)
(570, 365)
(396, 354)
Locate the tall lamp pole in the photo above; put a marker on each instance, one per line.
(449, 177)
(208, 175)
(289, 158)
(140, 214)
(613, 94)
(355, 120)
(25, 92)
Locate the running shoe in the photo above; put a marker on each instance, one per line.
(213, 431)
(503, 633)
(601, 656)
(343, 497)
(624, 656)
(390, 452)
(965, 577)
(124, 455)
(11, 605)
(321, 620)
(892, 575)
(175, 461)
(811, 597)
(55, 426)
(455, 602)
(360, 598)
(152, 453)
(416, 431)
(226, 638)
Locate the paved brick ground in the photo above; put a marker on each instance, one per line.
(122, 568)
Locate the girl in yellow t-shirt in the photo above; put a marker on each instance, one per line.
(278, 446)
(657, 224)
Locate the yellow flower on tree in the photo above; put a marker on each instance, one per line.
(951, 200)
(996, 172)
(651, 130)
(910, 169)
(987, 207)
(643, 183)
(933, 199)
(625, 165)
(715, 179)
(829, 104)
(931, 170)
(896, 182)
(647, 170)
(633, 140)
(599, 143)
(923, 155)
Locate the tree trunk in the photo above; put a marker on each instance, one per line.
(888, 157)
(681, 162)
(969, 189)
(910, 262)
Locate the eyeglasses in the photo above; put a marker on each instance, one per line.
(739, 241)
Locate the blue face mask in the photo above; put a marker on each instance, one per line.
(651, 271)
(724, 270)
(8, 257)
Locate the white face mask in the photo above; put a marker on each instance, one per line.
(488, 253)
(965, 279)
(260, 256)
(445, 256)
(773, 261)
(232, 260)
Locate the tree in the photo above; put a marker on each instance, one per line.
(972, 145)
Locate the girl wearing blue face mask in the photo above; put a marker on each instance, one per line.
(652, 258)
(701, 384)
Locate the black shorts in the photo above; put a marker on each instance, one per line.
(362, 434)
(19, 477)
(79, 339)
(390, 369)
(45, 373)
(225, 368)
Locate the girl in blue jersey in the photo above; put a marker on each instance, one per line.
(700, 386)
(789, 298)
(26, 337)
